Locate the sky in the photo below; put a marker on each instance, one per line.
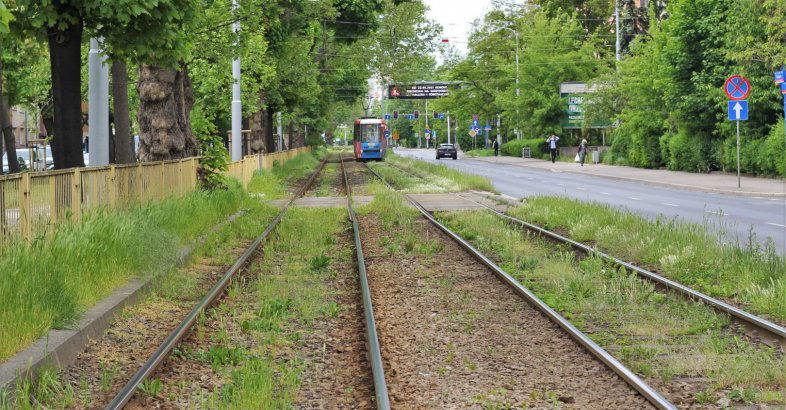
(456, 17)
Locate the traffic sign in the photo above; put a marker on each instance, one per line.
(428, 131)
(472, 133)
(488, 127)
(395, 135)
(441, 116)
(410, 116)
(738, 110)
(780, 77)
(395, 115)
(388, 116)
(417, 114)
(475, 122)
(783, 88)
(737, 88)
(435, 133)
(475, 117)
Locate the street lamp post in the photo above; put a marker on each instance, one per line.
(518, 90)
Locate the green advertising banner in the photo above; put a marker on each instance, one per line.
(573, 116)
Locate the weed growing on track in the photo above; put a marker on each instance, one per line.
(327, 180)
(271, 184)
(655, 334)
(48, 283)
(753, 277)
(293, 293)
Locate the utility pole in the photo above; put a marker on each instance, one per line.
(617, 31)
(448, 127)
(518, 90)
(237, 104)
(427, 140)
(98, 105)
(499, 138)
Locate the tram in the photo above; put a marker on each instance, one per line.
(370, 141)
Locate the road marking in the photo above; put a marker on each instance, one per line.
(721, 213)
(561, 184)
(778, 225)
(634, 198)
(668, 204)
(758, 197)
(775, 199)
(581, 189)
(605, 193)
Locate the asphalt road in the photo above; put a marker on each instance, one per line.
(734, 217)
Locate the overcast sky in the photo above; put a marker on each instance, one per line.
(456, 17)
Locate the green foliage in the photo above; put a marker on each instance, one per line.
(762, 156)
(46, 284)
(5, 18)
(513, 148)
(214, 159)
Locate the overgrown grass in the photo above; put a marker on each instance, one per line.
(48, 283)
(480, 153)
(272, 184)
(751, 276)
(656, 334)
(442, 175)
(293, 293)
(327, 180)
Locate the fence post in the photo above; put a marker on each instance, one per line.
(161, 181)
(194, 173)
(52, 200)
(24, 206)
(112, 188)
(76, 194)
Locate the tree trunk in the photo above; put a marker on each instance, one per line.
(124, 144)
(258, 125)
(65, 54)
(270, 138)
(7, 129)
(165, 102)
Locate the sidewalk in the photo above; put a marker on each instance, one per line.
(715, 182)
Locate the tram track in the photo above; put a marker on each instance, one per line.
(609, 361)
(154, 361)
(754, 326)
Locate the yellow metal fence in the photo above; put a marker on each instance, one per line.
(31, 203)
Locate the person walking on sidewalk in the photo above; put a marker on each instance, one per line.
(583, 150)
(496, 148)
(552, 143)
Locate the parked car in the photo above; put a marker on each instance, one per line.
(447, 151)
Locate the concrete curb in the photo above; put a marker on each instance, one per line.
(647, 181)
(60, 348)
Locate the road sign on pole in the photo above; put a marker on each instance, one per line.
(780, 77)
(737, 88)
(738, 110)
(474, 123)
(472, 132)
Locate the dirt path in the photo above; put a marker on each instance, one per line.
(453, 336)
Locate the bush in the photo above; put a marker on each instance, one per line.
(760, 156)
(684, 154)
(513, 148)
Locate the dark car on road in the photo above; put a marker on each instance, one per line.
(447, 151)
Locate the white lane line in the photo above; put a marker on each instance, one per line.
(668, 204)
(581, 189)
(721, 213)
(775, 199)
(759, 197)
(561, 184)
(605, 193)
(633, 198)
(778, 225)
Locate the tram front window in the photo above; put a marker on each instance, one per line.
(370, 133)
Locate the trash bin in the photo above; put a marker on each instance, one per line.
(526, 153)
(595, 157)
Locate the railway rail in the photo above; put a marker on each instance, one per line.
(652, 395)
(768, 332)
(163, 351)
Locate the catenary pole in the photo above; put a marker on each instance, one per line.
(237, 104)
(448, 127)
(98, 104)
(617, 31)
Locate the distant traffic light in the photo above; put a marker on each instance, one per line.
(417, 114)
(436, 115)
(395, 115)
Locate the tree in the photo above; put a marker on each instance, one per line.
(124, 153)
(136, 28)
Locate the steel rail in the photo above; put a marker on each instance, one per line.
(652, 395)
(182, 329)
(774, 333)
(770, 333)
(375, 352)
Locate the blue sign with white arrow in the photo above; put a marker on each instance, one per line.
(474, 123)
(738, 110)
(388, 116)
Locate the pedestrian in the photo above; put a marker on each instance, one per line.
(496, 148)
(583, 150)
(552, 143)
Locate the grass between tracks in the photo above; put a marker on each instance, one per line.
(657, 335)
(48, 283)
(272, 184)
(753, 277)
(177, 287)
(293, 294)
(427, 177)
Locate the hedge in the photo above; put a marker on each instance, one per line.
(513, 148)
